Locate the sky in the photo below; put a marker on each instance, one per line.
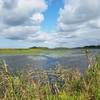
(49, 23)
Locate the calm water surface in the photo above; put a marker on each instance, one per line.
(46, 60)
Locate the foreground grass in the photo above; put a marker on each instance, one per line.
(57, 84)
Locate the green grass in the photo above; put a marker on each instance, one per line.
(70, 84)
(41, 51)
(21, 51)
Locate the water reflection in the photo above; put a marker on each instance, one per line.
(73, 59)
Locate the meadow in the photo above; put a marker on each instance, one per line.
(56, 84)
(21, 51)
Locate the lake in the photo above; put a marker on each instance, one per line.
(74, 58)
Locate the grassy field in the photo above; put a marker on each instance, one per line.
(21, 51)
(37, 85)
(34, 51)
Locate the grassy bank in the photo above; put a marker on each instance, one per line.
(57, 84)
(33, 51)
(21, 51)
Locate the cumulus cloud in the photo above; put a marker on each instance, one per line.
(19, 32)
(16, 12)
(19, 19)
(37, 18)
(80, 19)
(79, 11)
(78, 23)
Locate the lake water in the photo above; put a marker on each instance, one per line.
(46, 60)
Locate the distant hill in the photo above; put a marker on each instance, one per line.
(85, 47)
(89, 47)
(38, 47)
(48, 48)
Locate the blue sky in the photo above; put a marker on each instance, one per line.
(49, 23)
(51, 14)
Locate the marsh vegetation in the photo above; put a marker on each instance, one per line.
(56, 84)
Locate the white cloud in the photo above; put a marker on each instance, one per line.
(78, 22)
(35, 5)
(19, 32)
(79, 11)
(16, 12)
(37, 18)
(19, 19)
(42, 37)
(80, 19)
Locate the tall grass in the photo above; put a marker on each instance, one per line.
(57, 84)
